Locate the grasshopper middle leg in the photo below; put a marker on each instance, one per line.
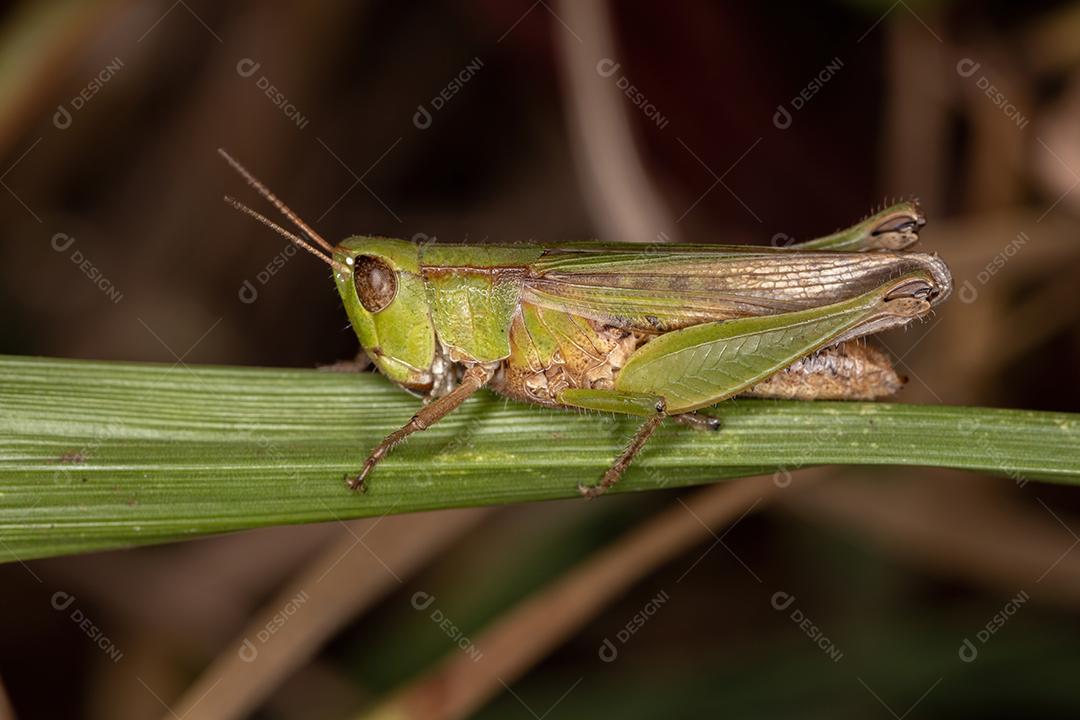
(651, 407)
(623, 461)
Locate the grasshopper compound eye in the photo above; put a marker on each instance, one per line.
(376, 283)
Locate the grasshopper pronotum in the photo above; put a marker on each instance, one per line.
(654, 332)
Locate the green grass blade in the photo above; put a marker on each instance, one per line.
(97, 455)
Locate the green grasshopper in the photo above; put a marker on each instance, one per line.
(654, 332)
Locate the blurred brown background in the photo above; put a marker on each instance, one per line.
(944, 594)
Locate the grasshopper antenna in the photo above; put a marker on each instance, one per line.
(296, 239)
(275, 201)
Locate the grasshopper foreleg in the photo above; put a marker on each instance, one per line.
(474, 378)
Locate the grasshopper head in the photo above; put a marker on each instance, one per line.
(379, 281)
(380, 284)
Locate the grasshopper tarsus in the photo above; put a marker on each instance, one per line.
(610, 477)
(590, 492)
(358, 482)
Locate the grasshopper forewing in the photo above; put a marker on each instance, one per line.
(653, 332)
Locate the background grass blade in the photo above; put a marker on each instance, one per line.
(98, 455)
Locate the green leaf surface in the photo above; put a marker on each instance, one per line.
(97, 455)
